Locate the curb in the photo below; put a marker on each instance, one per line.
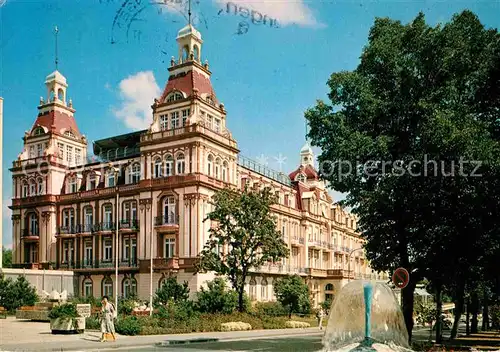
(186, 342)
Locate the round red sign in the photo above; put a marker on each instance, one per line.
(401, 277)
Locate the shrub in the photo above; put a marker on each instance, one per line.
(296, 324)
(128, 326)
(180, 311)
(15, 294)
(235, 326)
(126, 306)
(326, 305)
(495, 316)
(64, 311)
(171, 290)
(217, 298)
(92, 323)
(274, 309)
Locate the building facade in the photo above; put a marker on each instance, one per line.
(141, 198)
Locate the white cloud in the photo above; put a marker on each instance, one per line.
(137, 93)
(286, 12)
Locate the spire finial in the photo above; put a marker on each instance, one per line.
(189, 11)
(56, 31)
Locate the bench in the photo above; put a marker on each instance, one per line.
(3, 313)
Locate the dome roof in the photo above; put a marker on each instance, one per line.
(56, 76)
(306, 149)
(187, 30)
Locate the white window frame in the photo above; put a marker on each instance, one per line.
(169, 165)
(158, 168)
(169, 248)
(164, 122)
(180, 164)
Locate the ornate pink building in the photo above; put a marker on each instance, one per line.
(145, 194)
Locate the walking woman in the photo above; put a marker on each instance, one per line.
(108, 312)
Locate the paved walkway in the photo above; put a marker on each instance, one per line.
(22, 335)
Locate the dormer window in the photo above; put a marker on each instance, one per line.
(92, 182)
(38, 131)
(72, 185)
(210, 100)
(301, 178)
(134, 174)
(174, 97)
(69, 134)
(110, 178)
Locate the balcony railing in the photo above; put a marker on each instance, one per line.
(160, 263)
(70, 229)
(30, 232)
(132, 224)
(171, 219)
(99, 264)
(106, 226)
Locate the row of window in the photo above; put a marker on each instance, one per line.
(129, 212)
(173, 120)
(128, 245)
(72, 155)
(33, 187)
(165, 167)
(129, 287)
(37, 150)
(211, 122)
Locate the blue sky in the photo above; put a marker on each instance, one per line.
(266, 77)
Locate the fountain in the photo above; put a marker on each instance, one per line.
(365, 316)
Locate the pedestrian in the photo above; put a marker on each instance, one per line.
(320, 316)
(108, 314)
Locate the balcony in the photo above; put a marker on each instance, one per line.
(160, 264)
(171, 220)
(298, 240)
(30, 233)
(99, 264)
(128, 224)
(339, 274)
(316, 272)
(314, 244)
(106, 226)
(68, 230)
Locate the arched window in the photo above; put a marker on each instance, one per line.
(88, 218)
(169, 165)
(33, 224)
(158, 167)
(217, 168)
(180, 164)
(25, 189)
(60, 94)
(40, 186)
(38, 131)
(169, 210)
(174, 96)
(253, 289)
(210, 165)
(52, 95)
(329, 287)
(129, 287)
(225, 171)
(134, 174)
(185, 53)
(196, 53)
(88, 288)
(107, 287)
(263, 289)
(32, 188)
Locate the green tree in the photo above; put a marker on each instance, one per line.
(216, 298)
(243, 236)
(6, 258)
(426, 314)
(171, 290)
(418, 94)
(293, 293)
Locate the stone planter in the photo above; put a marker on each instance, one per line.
(67, 325)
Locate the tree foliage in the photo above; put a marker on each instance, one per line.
(396, 135)
(18, 293)
(171, 290)
(293, 293)
(6, 258)
(243, 236)
(217, 298)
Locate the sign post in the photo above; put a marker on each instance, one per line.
(400, 278)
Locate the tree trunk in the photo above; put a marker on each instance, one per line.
(241, 307)
(407, 297)
(439, 309)
(459, 307)
(486, 320)
(474, 308)
(467, 318)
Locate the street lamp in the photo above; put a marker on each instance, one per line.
(349, 263)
